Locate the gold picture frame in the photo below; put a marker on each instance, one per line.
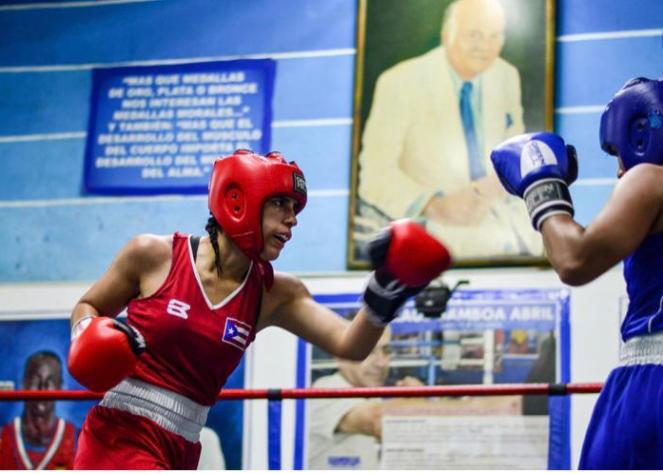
(398, 147)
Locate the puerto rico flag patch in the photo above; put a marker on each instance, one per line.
(236, 333)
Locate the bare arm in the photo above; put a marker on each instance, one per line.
(633, 211)
(127, 277)
(289, 305)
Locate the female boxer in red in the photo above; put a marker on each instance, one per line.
(194, 305)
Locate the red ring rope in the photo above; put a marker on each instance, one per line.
(292, 393)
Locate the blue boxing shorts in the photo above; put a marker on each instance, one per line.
(626, 428)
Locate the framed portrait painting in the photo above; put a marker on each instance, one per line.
(440, 83)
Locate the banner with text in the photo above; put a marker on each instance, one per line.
(485, 336)
(158, 129)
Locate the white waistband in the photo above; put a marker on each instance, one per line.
(172, 411)
(642, 350)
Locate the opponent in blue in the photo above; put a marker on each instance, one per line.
(626, 428)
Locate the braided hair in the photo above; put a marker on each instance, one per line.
(213, 229)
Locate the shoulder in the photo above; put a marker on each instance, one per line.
(286, 288)
(645, 172)
(640, 190)
(148, 250)
(645, 178)
(150, 245)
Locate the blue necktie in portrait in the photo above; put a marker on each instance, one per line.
(477, 169)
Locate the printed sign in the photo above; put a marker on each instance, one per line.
(158, 129)
(484, 337)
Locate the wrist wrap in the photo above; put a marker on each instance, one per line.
(545, 198)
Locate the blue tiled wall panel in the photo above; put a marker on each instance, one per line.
(52, 102)
(44, 102)
(590, 72)
(582, 131)
(56, 242)
(78, 242)
(53, 169)
(323, 153)
(314, 88)
(41, 169)
(24, 3)
(173, 29)
(319, 240)
(591, 16)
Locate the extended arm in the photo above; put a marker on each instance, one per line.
(300, 314)
(406, 260)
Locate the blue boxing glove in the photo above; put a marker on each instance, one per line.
(538, 167)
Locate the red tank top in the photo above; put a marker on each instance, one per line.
(16, 455)
(193, 345)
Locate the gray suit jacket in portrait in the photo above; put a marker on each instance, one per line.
(413, 147)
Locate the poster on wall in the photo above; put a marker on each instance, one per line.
(158, 129)
(34, 354)
(438, 84)
(484, 337)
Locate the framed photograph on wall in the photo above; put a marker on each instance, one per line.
(439, 83)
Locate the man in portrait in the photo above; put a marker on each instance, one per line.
(426, 144)
(39, 439)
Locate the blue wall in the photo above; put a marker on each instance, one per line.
(600, 44)
(51, 231)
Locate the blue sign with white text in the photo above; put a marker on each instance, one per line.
(158, 129)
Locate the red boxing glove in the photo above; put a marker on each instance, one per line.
(410, 253)
(406, 258)
(103, 353)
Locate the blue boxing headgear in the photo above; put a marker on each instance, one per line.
(632, 123)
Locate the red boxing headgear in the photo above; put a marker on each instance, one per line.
(239, 187)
